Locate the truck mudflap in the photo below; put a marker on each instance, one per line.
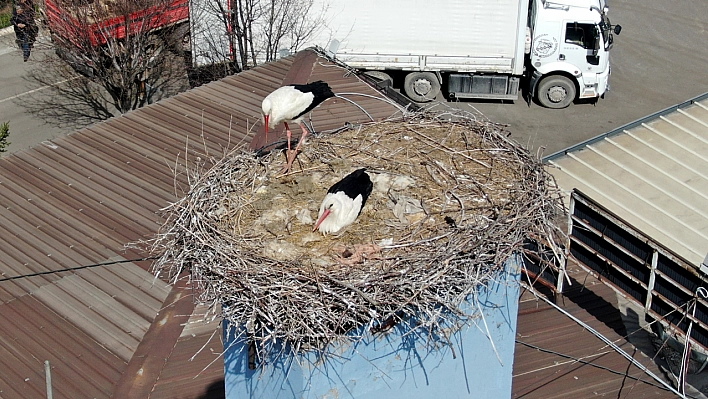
(533, 83)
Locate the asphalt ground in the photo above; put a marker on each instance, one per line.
(658, 60)
(26, 130)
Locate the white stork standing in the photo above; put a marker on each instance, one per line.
(344, 202)
(289, 104)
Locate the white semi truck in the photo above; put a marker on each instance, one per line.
(484, 49)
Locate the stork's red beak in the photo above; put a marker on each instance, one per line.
(321, 219)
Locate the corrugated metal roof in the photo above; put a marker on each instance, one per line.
(197, 355)
(652, 174)
(80, 199)
(555, 357)
(30, 333)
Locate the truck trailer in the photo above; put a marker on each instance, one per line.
(476, 48)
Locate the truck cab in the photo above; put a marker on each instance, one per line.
(570, 46)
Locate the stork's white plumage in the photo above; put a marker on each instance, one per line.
(344, 202)
(288, 104)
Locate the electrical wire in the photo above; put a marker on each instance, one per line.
(69, 269)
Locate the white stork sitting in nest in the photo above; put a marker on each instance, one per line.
(344, 202)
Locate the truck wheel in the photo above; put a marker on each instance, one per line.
(421, 87)
(556, 92)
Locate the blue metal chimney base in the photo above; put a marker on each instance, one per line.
(387, 365)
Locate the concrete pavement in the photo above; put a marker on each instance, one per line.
(4, 32)
(26, 130)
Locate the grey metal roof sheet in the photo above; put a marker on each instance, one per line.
(651, 173)
(79, 199)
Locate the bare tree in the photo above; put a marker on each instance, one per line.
(303, 27)
(289, 24)
(286, 25)
(244, 13)
(217, 32)
(256, 31)
(123, 54)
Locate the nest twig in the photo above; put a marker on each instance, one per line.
(452, 202)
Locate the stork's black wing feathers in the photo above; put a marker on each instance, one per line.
(353, 184)
(319, 89)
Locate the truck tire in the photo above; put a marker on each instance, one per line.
(421, 87)
(556, 92)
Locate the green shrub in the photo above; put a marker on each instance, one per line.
(5, 13)
(5, 20)
(4, 134)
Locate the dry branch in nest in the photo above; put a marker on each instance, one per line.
(452, 202)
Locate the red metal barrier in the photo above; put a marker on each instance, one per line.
(63, 21)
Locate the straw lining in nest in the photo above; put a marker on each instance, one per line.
(452, 201)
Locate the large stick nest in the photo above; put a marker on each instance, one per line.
(452, 202)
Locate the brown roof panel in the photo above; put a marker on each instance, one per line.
(196, 367)
(137, 183)
(79, 199)
(194, 370)
(555, 357)
(142, 162)
(130, 287)
(120, 335)
(97, 204)
(84, 185)
(31, 333)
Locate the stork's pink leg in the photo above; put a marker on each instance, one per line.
(302, 138)
(291, 158)
(288, 133)
(286, 168)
